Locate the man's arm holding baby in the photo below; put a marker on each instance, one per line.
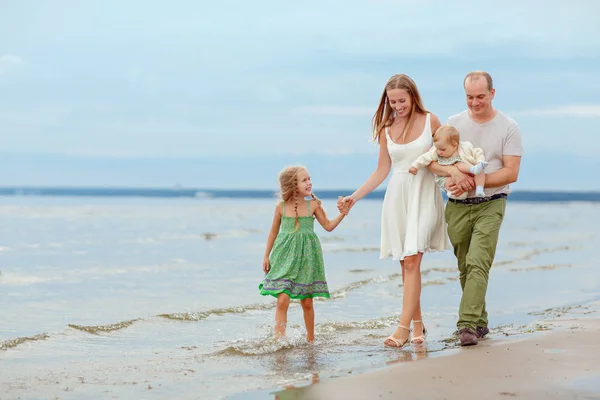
(457, 182)
(507, 175)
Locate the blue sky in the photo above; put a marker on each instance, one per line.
(224, 94)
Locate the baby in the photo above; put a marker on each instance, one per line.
(449, 150)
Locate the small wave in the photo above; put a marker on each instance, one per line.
(451, 270)
(433, 283)
(358, 270)
(252, 347)
(377, 323)
(12, 343)
(557, 312)
(295, 338)
(197, 316)
(531, 254)
(96, 329)
(337, 294)
(355, 285)
(542, 267)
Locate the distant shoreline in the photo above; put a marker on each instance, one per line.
(178, 192)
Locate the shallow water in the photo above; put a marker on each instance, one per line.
(156, 298)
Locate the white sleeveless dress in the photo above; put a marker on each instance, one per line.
(412, 217)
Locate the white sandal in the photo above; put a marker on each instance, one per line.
(419, 339)
(397, 343)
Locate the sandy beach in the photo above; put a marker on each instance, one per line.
(561, 363)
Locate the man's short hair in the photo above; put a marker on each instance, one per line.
(474, 75)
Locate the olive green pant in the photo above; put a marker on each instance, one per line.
(473, 231)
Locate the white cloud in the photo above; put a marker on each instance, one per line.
(336, 110)
(572, 110)
(9, 63)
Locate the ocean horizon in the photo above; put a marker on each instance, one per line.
(177, 191)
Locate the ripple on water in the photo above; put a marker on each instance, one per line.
(96, 329)
(9, 344)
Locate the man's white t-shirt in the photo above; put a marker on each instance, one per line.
(498, 137)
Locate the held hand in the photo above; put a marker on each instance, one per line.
(266, 265)
(462, 182)
(340, 204)
(345, 204)
(412, 170)
(345, 207)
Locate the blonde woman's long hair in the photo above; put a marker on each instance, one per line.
(288, 186)
(384, 115)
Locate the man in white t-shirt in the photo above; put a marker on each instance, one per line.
(474, 223)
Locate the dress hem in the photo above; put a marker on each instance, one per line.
(412, 253)
(275, 293)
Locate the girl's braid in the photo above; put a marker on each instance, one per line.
(296, 206)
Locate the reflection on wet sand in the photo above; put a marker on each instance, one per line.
(420, 352)
(292, 392)
(305, 362)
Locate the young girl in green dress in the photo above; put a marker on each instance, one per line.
(295, 267)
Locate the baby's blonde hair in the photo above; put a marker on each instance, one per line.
(448, 133)
(288, 186)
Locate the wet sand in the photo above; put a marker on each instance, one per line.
(562, 363)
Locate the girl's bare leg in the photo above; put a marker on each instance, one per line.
(283, 303)
(411, 296)
(309, 318)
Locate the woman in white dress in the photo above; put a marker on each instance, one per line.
(412, 217)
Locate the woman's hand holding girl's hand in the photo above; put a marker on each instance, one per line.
(344, 204)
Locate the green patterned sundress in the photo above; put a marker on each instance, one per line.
(297, 267)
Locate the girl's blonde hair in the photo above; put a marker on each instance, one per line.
(384, 115)
(448, 133)
(288, 186)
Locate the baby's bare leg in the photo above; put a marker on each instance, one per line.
(480, 180)
(463, 167)
(467, 168)
(480, 184)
